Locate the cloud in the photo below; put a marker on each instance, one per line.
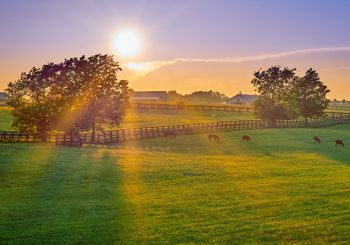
(143, 68)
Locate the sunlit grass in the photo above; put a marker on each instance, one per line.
(5, 118)
(139, 118)
(280, 188)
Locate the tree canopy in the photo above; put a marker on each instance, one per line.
(77, 94)
(284, 95)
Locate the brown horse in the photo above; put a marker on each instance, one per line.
(213, 137)
(339, 143)
(317, 139)
(246, 138)
(172, 134)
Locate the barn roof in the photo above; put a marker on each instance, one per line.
(243, 97)
(149, 94)
(3, 96)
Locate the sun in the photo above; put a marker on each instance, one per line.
(127, 43)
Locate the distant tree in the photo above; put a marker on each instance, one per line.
(308, 95)
(273, 86)
(36, 99)
(207, 97)
(173, 96)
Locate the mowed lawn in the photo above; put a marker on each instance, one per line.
(280, 188)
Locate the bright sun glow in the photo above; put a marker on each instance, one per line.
(127, 43)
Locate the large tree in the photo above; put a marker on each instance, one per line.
(77, 94)
(101, 98)
(36, 100)
(273, 85)
(308, 95)
(283, 95)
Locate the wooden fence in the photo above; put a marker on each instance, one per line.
(159, 106)
(14, 136)
(116, 136)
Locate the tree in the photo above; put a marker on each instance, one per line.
(35, 100)
(273, 86)
(208, 97)
(173, 96)
(283, 95)
(267, 109)
(308, 95)
(101, 97)
(78, 94)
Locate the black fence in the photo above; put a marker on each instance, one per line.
(120, 135)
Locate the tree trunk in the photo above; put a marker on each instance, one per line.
(272, 123)
(93, 136)
(306, 122)
(42, 134)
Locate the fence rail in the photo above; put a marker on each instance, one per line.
(116, 136)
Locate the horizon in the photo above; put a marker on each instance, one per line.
(184, 46)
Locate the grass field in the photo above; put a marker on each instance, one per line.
(5, 118)
(281, 188)
(135, 119)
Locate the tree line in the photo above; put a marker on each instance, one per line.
(197, 97)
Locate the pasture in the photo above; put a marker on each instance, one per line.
(141, 118)
(281, 188)
(5, 118)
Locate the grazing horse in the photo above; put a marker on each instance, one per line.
(317, 139)
(246, 138)
(339, 143)
(172, 134)
(213, 137)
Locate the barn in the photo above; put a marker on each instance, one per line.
(3, 96)
(148, 96)
(242, 99)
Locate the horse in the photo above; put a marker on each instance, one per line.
(317, 139)
(339, 143)
(213, 137)
(246, 138)
(172, 134)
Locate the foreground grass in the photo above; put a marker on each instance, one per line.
(280, 188)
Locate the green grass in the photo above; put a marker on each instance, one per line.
(281, 188)
(144, 118)
(5, 118)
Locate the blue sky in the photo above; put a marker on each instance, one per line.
(36, 32)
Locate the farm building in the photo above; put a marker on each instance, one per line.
(242, 99)
(144, 96)
(3, 96)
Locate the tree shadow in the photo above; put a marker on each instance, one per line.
(76, 198)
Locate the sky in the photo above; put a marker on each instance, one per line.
(185, 45)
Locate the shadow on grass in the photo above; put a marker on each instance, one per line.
(74, 198)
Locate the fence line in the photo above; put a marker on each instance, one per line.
(119, 135)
